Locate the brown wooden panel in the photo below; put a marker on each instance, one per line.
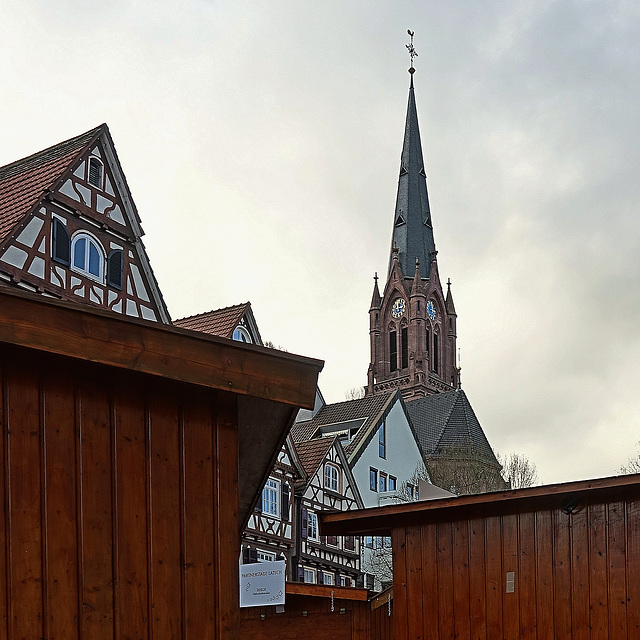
(633, 569)
(616, 570)
(477, 580)
(494, 569)
(96, 510)
(562, 612)
(227, 548)
(510, 601)
(429, 582)
(544, 600)
(598, 591)
(398, 545)
(316, 626)
(445, 580)
(579, 574)
(61, 505)
(5, 592)
(414, 583)
(131, 597)
(24, 504)
(199, 521)
(460, 560)
(165, 516)
(527, 575)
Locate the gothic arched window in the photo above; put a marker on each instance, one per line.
(87, 256)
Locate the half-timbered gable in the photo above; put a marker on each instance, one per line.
(329, 486)
(69, 229)
(236, 322)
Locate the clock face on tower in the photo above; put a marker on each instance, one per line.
(397, 309)
(431, 309)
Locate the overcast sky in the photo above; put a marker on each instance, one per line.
(261, 141)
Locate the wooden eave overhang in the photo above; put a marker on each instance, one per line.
(571, 496)
(270, 385)
(327, 591)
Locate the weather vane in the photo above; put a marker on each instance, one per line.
(412, 52)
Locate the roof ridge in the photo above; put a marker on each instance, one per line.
(204, 313)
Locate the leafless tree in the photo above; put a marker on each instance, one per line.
(518, 470)
(354, 393)
(633, 464)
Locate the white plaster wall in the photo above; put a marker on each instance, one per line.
(402, 455)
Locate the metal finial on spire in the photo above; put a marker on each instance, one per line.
(375, 277)
(412, 52)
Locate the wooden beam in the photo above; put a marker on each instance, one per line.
(324, 591)
(29, 320)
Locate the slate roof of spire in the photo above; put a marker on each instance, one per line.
(23, 182)
(446, 419)
(412, 228)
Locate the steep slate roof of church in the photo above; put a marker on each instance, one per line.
(23, 182)
(370, 410)
(412, 227)
(446, 419)
(220, 322)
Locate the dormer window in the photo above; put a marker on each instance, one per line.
(95, 172)
(87, 256)
(242, 335)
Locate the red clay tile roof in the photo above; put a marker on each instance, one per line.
(221, 322)
(23, 182)
(312, 452)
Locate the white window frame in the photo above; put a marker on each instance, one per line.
(328, 578)
(271, 498)
(309, 573)
(240, 334)
(331, 477)
(312, 526)
(265, 556)
(84, 269)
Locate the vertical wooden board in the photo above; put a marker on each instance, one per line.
(633, 568)
(61, 505)
(414, 582)
(96, 506)
(398, 545)
(226, 525)
(544, 601)
(199, 520)
(494, 584)
(461, 602)
(131, 604)
(598, 592)
(510, 562)
(579, 574)
(25, 504)
(562, 613)
(477, 580)
(445, 580)
(616, 570)
(429, 581)
(164, 515)
(4, 505)
(527, 575)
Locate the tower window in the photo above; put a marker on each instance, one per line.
(435, 352)
(405, 347)
(427, 342)
(87, 256)
(393, 351)
(95, 172)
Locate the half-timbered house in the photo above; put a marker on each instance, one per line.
(236, 323)
(328, 485)
(69, 229)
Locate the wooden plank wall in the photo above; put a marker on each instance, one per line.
(109, 486)
(575, 576)
(358, 622)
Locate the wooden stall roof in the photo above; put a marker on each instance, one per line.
(570, 496)
(270, 384)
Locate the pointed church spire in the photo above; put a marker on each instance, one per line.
(417, 280)
(449, 301)
(376, 300)
(412, 230)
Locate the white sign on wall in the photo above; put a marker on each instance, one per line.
(262, 583)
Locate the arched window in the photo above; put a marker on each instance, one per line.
(242, 335)
(87, 256)
(331, 477)
(96, 172)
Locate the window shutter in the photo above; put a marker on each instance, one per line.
(258, 505)
(320, 577)
(245, 555)
(285, 502)
(114, 269)
(61, 243)
(300, 574)
(305, 524)
(323, 539)
(253, 555)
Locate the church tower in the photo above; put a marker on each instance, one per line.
(412, 325)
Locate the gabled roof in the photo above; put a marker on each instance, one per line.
(221, 322)
(23, 182)
(412, 227)
(446, 419)
(367, 413)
